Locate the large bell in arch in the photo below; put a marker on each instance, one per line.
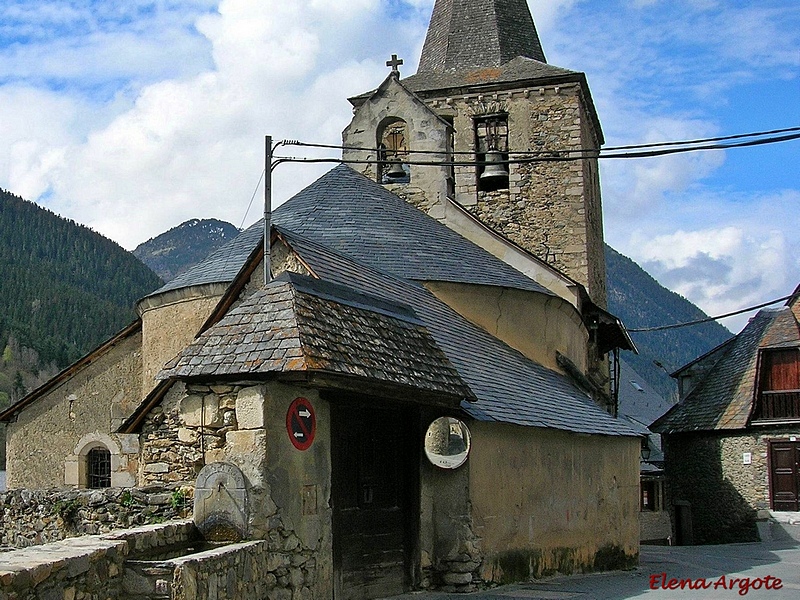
(395, 170)
(494, 171)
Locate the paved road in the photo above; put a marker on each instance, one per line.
(777, 558)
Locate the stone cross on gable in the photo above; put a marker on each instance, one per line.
(394, 63)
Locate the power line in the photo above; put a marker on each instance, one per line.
(709, 319)
(672, 147)
(541, 156)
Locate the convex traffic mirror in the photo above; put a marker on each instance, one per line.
(447, 443)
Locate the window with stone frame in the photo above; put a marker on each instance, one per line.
(393, 153)
(491, 147)
(778, 395)
(98, 468)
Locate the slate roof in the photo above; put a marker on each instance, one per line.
(508, 386)
(358, 217)
(637, 399)
(478, 33)
(517, 70)
(724, 399)
(222, 265)
(301, 324)
(353, 233)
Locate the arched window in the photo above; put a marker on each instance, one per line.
(98, 468)
(99, 461)
(393, 150)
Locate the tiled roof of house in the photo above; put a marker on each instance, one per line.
(466, 34)
(360, 218)
(301, 324)
(724, 399)
(509, 387)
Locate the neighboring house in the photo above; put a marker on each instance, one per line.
(413, 399)
(640, 405)
(732, 446)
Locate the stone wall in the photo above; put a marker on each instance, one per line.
(277, 568)
(187, 430)
(708, 471)
(31, 518)
(89, 567)
(654, 526)
(242, 425)
(95, 399)
(552, 209)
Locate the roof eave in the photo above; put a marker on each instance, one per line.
(67, 373)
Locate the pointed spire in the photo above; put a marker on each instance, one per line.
(470, 34)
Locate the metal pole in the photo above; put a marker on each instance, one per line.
(267, 208)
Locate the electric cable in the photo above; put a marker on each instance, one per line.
(690, 146)
(709, 319)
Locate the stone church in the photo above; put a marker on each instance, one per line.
(421, 391)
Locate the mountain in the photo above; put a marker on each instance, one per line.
(641, 302)
(63, 290)
(171, 253)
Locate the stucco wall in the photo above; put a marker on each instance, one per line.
(708, 471)
(546, 501)
(94, 400)
(170, 322)
(537, 325)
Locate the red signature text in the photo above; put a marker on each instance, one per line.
(742, 585)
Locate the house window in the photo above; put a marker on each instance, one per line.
(651, 492)
(98, 468)
(779, 385)
(491, 144)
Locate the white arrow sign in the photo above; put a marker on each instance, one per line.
(304, 413)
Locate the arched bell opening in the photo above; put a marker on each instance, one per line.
(393, 151)
(491, 142)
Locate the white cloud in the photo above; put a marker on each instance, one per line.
(159, 110)
(194, 145)
(741, 257)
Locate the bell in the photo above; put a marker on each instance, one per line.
(494, 169)
(395, 170)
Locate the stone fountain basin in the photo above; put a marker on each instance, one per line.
(151, 574)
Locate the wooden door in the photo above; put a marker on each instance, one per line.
(785, 475)
(373, 491)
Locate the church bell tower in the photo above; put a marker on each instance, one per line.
(513, 130)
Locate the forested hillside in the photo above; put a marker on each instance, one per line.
(640, 301)
(174, 251)
(63, 290)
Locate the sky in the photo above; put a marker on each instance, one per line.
(133, 117)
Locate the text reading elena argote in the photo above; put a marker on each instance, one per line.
(742, 585)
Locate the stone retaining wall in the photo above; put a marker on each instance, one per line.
(30, 518)
(90, 567)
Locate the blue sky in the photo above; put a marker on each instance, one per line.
(132, 117)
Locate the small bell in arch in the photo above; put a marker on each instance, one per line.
(494, 170)
(395, 170)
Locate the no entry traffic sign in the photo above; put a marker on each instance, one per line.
(301, 424)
